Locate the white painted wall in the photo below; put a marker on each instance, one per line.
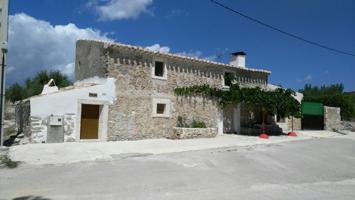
(220, 122)
(66, 101)
(69, 100)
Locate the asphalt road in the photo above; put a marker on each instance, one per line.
(310, 169)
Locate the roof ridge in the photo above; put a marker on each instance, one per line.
(175, 55)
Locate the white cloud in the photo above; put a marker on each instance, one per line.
(191, 53)
(198, 54)
(36, 45)
(121, 9)
(178, 13)
(305, 79)
(212, 57)
(157, 47)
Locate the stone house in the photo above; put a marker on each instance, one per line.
(132, 95)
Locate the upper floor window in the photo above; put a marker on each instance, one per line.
(229, 77)
(159, 70)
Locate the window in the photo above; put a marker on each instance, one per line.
(228, 78)
(159, 70)
(161, 107)
(92, 94)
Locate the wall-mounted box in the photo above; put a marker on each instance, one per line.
(56, 120)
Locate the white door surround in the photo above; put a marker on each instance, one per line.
(103, 119)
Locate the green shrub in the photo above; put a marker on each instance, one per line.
(198, 124)
(181, 122)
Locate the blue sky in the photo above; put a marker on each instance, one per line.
(43, 33)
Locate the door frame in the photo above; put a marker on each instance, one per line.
(103, 119)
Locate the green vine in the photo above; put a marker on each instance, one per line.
(279, 101)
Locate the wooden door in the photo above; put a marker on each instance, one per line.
(89, 121)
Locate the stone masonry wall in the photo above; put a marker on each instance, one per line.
(297, 123)
(38, 130)
(189, 133)
(90, 60)
(69, 129)
(22, 117)
(131, 115)
(331, 118)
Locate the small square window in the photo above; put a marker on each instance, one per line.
(160, 108)
(159, 68)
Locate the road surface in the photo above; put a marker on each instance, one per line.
(310, 169)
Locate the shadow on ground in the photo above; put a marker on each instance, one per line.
(11, 140)
(30, 198)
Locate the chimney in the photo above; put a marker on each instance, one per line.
(238, 59)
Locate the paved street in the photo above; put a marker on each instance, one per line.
(71, 152)
(308, 169)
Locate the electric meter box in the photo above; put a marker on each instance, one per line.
(56, 120)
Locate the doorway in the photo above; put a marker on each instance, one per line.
(313, 116)
(89, 126)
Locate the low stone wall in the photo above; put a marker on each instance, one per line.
(189, 133)
(346, 125)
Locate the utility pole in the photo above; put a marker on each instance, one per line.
(4, 15)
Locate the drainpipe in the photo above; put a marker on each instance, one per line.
(4, 4)
(2, 97)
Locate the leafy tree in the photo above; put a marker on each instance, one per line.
(34, 86)
(14, 93)
(310, 90)
(60, 79)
